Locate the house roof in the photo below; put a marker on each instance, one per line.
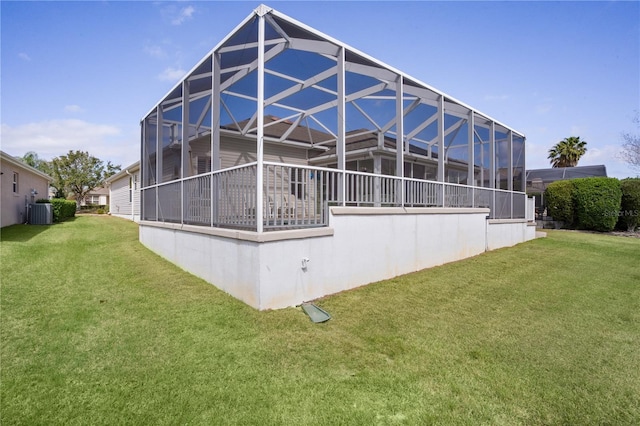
(562, 173)
(131, 168)
(359, 139)
(276, 127)
(99, 191)
(18, 163)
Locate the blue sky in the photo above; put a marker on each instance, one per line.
(81, 75)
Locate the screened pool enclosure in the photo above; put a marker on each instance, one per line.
(279, 122)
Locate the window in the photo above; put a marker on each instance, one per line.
(93, 199)
(15, 182)
(204, 164)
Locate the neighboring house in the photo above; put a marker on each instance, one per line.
(96, 197)
(21, 185)
(539, 179)
(124, 193)
(272, 169)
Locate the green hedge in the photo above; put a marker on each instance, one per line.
(596, 203)
(63, 209)
(629, 214)
(558, 197)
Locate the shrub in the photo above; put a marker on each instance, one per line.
(62, 209)
(43, 201)
(559, 201)
(597, 203)
(629, 215)
(100, 211)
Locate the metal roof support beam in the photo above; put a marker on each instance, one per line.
(400, 141)
(184, 146)
(371, 120)
(215, 117)
(159, 134)
(440, 114)
(292, 128)
(471, 160)
(203, 114)
(236, 47)
(510, 173)
(379, 73)
(510, 168)
(365, 92)
(314, 46)
(323, 126)
(340, 143)
(407, 110)
(297, 80)
(260, 129)
(492, 156)
(276, 27)
(252, 66)
(422, 126)
(353, 96)
(301, 86)
(481, 156)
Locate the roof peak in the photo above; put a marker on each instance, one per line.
(262, 10)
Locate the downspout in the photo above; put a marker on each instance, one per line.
(133, 198)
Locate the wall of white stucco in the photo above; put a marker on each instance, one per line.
(360, 246)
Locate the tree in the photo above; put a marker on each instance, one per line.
(567, 152)
(32, 159)
(80, 173)
(631, 145)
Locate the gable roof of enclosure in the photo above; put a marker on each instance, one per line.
(301, 75)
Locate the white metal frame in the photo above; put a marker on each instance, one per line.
(347, 60)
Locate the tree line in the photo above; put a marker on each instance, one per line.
(76, 173)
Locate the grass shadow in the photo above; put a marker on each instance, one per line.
(25, 232)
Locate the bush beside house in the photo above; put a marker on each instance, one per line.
(596, 202)
(558, 198)
(629, 216)
(586, 203)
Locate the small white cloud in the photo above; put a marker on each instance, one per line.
(24, 56)
(172, 74)
(73, 108)
(184, 14)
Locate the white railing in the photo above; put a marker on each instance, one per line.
(296, 196)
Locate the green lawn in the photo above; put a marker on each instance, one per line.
(96, 329)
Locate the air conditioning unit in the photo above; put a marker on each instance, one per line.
(40, 214)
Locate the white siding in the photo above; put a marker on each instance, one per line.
(123, 190)
(236, 151)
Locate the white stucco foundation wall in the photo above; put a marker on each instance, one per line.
(509, 232)
(229, 263)
(368, 245)
(361, 246)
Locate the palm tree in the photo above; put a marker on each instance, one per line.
(567, 152)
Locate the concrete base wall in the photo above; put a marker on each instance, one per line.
(361, 245)
(507, 233)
